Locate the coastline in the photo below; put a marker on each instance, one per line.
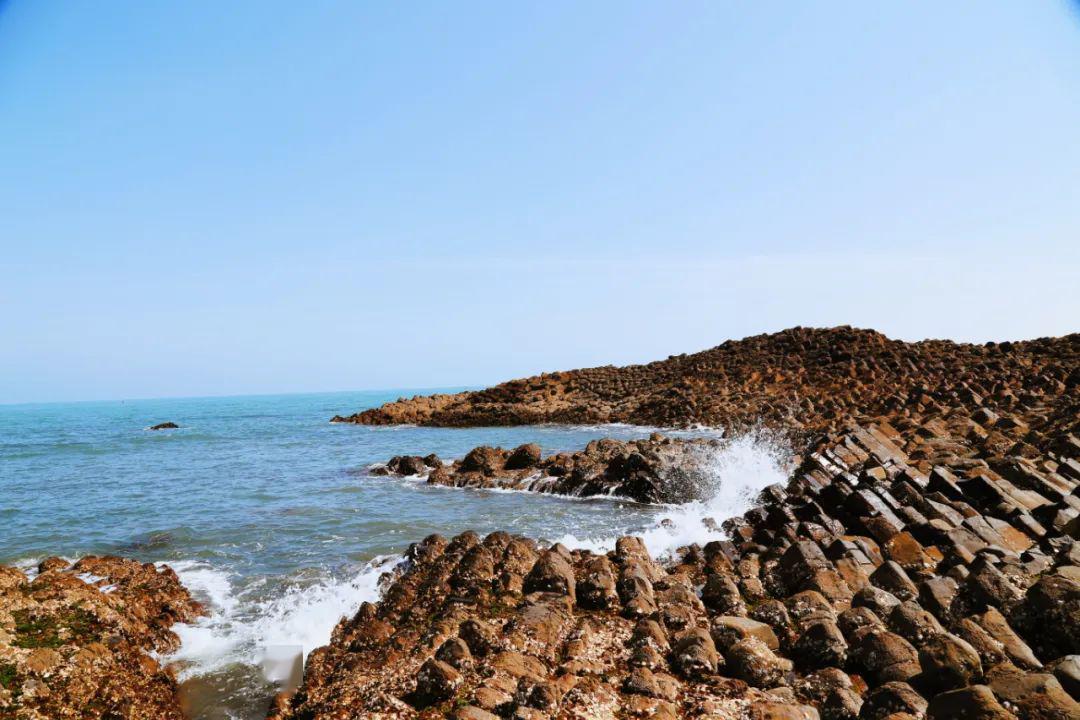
(938, 528)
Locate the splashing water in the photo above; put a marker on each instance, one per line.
(240, 628)
(732, 473)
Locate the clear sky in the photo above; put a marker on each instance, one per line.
(225, 198)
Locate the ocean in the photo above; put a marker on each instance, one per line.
(271, 517)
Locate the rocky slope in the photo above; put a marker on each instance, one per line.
(915, 570)
(798, 379)
(74, 642)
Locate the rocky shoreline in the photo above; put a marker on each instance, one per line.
(76, 641)
(655, 470)
(921, 561)
(905, 571)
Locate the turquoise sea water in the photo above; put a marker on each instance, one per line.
(268, 512)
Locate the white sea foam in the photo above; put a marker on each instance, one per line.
(734, 472)
(243, 629)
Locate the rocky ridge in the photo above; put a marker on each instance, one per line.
(802, 380)
(75, 641)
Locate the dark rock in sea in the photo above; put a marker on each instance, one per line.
(164, 426)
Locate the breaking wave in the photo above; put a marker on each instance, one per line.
(731, 476)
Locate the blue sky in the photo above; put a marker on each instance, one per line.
(223, 198)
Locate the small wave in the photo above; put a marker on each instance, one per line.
(243, 629)
(737, 471)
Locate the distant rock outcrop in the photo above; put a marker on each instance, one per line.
(798, 379)
(164, 426)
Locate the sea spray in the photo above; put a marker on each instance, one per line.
(730, 475)
(243, 628)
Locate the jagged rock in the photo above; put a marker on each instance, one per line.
(1038, 696)
(524, 457)
(886, 656)
(435, 682)
(1067, 670)
(551, 573)
(727, 630)
(695, 653)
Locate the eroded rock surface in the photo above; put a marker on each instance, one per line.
(76, 641)
(800, 379)
(924, 564)
(655, 470)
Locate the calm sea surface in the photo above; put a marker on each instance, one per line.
(268, 512)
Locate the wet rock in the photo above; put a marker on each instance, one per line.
(165, 426)
(85, 631)
(524, 457)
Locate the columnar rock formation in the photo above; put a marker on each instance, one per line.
(923, 560)
(74, 642)
(899, 574)
(798, 379)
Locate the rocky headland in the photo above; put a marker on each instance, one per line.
(76, 641)
(921, 561)
(903, 572)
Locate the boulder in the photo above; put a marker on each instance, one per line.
(524, 457)
(976, 702)
(751, 660)
(948, 662)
